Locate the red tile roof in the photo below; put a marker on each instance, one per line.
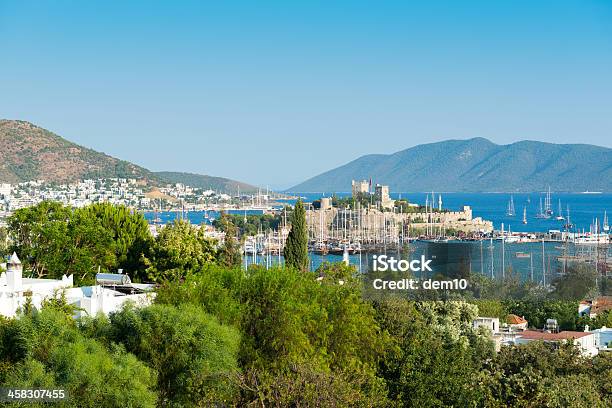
(514, 319)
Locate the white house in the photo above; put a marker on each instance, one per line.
(111, 293)
(515, 332)
(91, 300)
(603, 338)
(491, 323)
(502, 335)
(15, 289)
(584, 340)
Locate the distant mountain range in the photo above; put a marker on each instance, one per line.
(30, 153)
(476, 165)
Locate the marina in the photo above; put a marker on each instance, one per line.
(536, 244)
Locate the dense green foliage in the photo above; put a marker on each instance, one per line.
(130, 232)
(303, 341)
(296, 247)
(282, 337)
(179, 247)
(195, 357)
(538, 375)
(54, 240)
(46, 350)
(436, 355)
(229, 253)
(219, 335)
(254, 223)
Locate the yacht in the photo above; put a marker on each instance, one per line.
(559, 216)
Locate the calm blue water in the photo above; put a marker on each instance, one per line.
(194, 217)
(584, 208)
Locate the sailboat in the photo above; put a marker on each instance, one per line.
(510, 210)
(524, 215)
(568, 224)
(547, 204)
(606, 227)
(559, 217)
(541, 213)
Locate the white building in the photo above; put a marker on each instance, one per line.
(515, 332)
(603, 338)
(585, 341)
(505, 335)
(491, 323)
(91, 300)
(16, 291)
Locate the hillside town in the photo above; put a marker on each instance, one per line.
(131, 193)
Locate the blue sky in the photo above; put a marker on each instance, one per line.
(273, 93)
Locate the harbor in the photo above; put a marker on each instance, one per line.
(495, 238)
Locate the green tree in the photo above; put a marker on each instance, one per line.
(254, 223)
(228, 253)
(46, 350)
(4, 242)
(300, 335)
(435, 356)
(296, 247)
(539, 310)
(578, 283)
(179, 248)
(214, 288)
(539, 374)
(90, 247)
(53, 240)
(195, 356)
(130, 233)
(39, 235)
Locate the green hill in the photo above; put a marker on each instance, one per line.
(33, 153)
(30, 153)
(476, 165)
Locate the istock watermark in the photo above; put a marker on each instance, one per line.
(383, 263)
(435, 272)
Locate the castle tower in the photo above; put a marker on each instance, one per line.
(14, 272)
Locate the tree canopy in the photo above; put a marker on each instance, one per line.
(296, 246)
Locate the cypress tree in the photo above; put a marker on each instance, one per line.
(296, 247)
(229, 252)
